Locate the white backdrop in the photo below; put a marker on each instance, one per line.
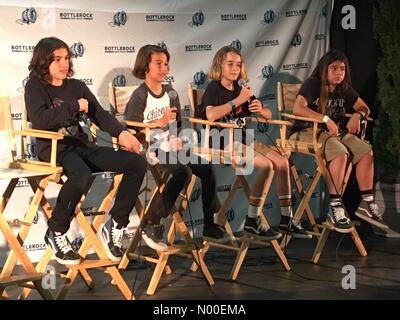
(280, 41)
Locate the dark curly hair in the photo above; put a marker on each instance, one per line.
(43, 56)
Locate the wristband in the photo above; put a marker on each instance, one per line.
(325, 119)
(232, 104)
(362, 117)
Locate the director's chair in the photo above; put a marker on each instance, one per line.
(90, 240)
(286, 97)
(229, 156)
(38, 176)
(118, 97)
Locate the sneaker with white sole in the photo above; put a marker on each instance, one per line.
(111, 237)
(338, 218)
(254, 227)
(153, 236)
(59, 243)
(369, 211)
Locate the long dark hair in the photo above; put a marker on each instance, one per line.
(43, 56)
(143, 59)
(321, 72)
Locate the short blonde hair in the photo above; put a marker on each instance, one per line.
(215, 70)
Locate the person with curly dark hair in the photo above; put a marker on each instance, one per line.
(55, 102)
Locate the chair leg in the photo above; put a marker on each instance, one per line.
(244, 247)
(320, 245)
(275, 245)
(359, 244)
(155, 279)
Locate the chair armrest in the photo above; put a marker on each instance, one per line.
(140, 124)
(348, 115)
(270, 121)
(292, 116)
(40, 134)
(212, 123)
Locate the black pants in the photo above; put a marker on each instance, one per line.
(79, 163)
(180, 178)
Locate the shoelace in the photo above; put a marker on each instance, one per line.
(117, 236)
(260, 226)
(338, 212)
(63, 243)
(373, 207)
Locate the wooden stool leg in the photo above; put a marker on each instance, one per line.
(157, 274)
(244, 247)
(320, 245)
(359, 244)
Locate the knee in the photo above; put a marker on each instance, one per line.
(265, 166)
(282, 165)
(80, 180)
(182, 173)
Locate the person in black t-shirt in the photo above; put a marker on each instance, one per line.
(224, 100)
(56, 102)
(327, 96)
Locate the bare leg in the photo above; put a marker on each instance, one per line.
(365, 172)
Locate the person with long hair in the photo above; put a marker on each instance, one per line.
(55, 101)
(223, 100)
(327, 95)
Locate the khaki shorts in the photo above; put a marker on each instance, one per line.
(261, 148)
(351, 145)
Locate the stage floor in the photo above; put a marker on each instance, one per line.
(262, 276)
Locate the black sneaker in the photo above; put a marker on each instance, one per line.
(338, 218)
(59, 243)
(216, 233)
(295, 229)
(111, 237)
(254, 227)
(369, 211)
(153, 236)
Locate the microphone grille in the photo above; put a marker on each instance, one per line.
(172, 94)
(242, 83)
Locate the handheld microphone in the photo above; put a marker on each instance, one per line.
(243, 109)
(172, 96)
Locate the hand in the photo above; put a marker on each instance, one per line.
(128, 142)
(333, 129)
(353, 125)
(175, 143)
(168, 117)
(243, 96)
(83, 105)
(256, 106)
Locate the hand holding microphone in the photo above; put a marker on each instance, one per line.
(83, 105)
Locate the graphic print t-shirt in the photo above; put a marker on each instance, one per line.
(339, 101)
(145, 106)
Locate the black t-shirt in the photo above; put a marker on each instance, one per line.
(340, 101)
(215, 95)
(56, 107)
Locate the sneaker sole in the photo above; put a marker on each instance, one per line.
(294, 234)
(378, 224)
(154, 245)
(105, 246)
(68, 262)
(220, 240)
(340, 230)
(249, 234)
